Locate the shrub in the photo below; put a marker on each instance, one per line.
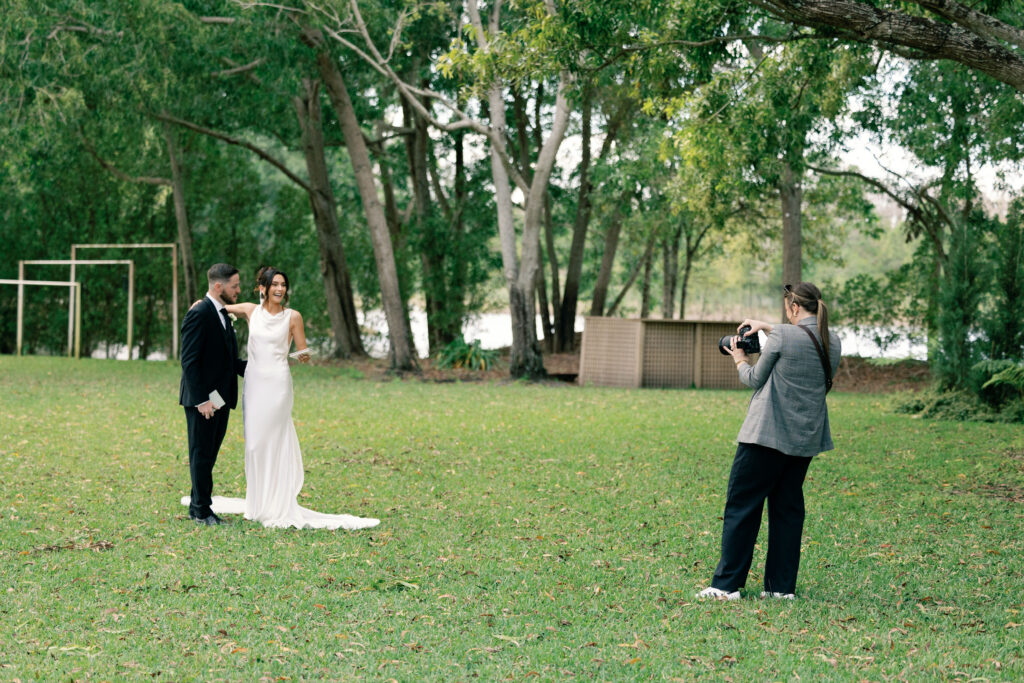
(997, 382)
(460, 354)
(959, 406)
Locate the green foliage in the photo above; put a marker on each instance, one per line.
(460, 354)
(960, 406)
(1002, 375)
(887, 308)
(528, 531)
(1001, 319)
(960, 293)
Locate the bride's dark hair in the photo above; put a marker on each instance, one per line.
(265, 278)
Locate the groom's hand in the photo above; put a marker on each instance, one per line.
(206, 409)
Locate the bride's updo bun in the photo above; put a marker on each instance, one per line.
(265, 278)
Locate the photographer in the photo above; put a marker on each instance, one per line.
(786, 425)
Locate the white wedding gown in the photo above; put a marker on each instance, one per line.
(273, 460)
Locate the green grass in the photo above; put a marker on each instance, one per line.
(528, 531)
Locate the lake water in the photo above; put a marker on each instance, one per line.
(494, 330)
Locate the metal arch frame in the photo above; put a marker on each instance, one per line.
(174, 279)
(76, 286)
(74, 307)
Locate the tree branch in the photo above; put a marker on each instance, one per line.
(981, 24)
(223, 137)
(732, 38)
(114, 170)
(238, 69)
(928, 221)
(410, 92)
(929, 39)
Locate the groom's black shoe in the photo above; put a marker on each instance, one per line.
(211, 520)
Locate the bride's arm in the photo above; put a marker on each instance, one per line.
(298, 332)
(242, 310)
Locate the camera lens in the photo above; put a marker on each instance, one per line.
(749, 344)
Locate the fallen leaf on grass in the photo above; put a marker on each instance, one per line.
(508, 638)
(636, 644)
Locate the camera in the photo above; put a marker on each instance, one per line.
(749, 344)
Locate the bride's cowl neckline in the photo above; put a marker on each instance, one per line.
(273, 315)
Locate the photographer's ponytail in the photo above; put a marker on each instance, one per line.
(823, 327)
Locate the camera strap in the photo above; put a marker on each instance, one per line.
(821, 357)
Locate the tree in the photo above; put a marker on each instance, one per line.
(777, 109)
(953, 122)
(519, 265)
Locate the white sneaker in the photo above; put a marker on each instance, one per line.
(717, 594)
(779, 596)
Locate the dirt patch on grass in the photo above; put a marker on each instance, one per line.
(863, 375)
(1007, 492)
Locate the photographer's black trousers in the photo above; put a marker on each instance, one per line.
(760, 473)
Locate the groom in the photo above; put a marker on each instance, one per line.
(209, 363)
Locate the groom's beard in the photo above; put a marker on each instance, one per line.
(227, 299)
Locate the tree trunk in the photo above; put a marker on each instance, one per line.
(645, 290)
(551, 330)
(791, 194)
(565, 335)
(530, 363)
(691, 250)
(611, 245)
(670, 273)
(188, 266)
(552, 307)
(632, 275)
(545, 315)
(402, 354)
(333, 266)
(684, 290)
(433, 247)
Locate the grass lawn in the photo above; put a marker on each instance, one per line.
(528, 531)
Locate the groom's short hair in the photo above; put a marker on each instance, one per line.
(220, 272)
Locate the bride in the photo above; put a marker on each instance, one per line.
(273, 460)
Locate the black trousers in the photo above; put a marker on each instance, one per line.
(760, 473)
(204, 440)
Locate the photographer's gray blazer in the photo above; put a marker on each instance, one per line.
(787, 411)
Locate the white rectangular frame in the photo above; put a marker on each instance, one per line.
(76, 286)
(73, 308)
(174, 277)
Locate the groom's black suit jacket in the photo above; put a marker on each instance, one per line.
(209, 357)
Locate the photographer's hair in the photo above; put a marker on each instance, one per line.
(220, 272)
(265, 278)
(808, 296)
